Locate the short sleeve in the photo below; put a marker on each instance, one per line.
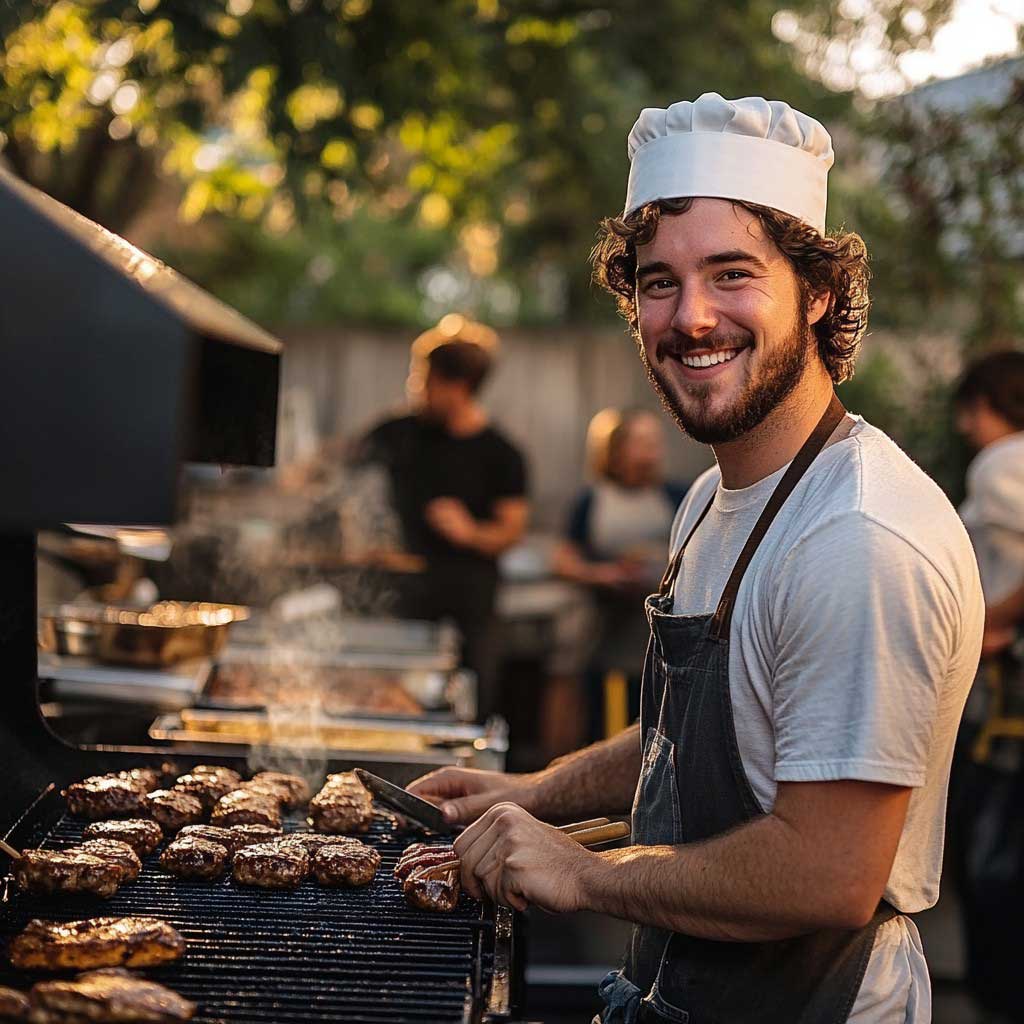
(510, 480)
(997, 493)
(865, 628)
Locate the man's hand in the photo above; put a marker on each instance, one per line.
(450, 518)
(463, 794)
(517, 860)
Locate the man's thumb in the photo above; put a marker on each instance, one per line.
(466, 809)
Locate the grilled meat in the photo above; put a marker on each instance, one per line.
(173, 809)
(423, 882)
(218, 771)
(432, 891)
(245, 807)
(110, 995)
(232, 839)
(141, 835)
(13, 1004)
(421, 855)
(270, 866)
(68, 871)
(348, 863)
(117, 852)
(192, 857)
(344, 805)
(207, 789)
(249, 835)
(311, 842)
(96, 942)
(105, 796)
(293, 789)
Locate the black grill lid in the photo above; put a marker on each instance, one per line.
(114, 371)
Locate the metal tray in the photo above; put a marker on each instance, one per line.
(162, 634)
(238, 731)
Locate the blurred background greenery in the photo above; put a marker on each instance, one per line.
(380, 162)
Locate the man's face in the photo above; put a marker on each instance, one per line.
(722, 332)
(440, 397)
(979, 424)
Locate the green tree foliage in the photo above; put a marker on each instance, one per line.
(500, 122)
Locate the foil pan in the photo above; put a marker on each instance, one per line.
(163, 634)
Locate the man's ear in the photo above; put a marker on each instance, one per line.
(818, 307)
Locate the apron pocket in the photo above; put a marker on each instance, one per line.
(656, 819)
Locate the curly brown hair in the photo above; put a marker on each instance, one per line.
(837, 264)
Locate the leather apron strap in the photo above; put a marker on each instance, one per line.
(809, 451)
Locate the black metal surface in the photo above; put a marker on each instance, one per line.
(118, 372)
(361, 956)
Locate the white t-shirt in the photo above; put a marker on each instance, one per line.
(854, 642)
(993, 513)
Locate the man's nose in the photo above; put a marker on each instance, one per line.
(695, 314)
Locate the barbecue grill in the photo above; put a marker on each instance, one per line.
(111, 389)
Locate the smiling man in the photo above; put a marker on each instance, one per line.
(813, 640)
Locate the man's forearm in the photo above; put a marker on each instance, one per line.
(783, 874)
(598, 780)
(492, 537)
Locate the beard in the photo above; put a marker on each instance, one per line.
(689, 404)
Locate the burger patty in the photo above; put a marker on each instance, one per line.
(141, 835)
(207, 789)
(96, 942)
(45, 872)
(344, 805)
(233, 838)
(192, 857)
(350, 863)
(173, 809)
(293, 788)
(245, 807)
(117, 852)
(270, 866)
(109, 995)
(13, 1004)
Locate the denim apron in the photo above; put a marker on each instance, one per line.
(693, 786)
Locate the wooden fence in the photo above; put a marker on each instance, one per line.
(545, 389)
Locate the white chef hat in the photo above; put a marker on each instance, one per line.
(757, 150)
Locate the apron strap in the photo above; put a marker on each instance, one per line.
(831, 419)
(668, 581)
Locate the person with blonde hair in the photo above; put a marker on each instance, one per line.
(615, 546)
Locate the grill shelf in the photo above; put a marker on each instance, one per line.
(362, 956)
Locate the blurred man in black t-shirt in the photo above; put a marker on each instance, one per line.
(459, 488)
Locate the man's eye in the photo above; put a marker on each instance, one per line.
(658, 284)
(733, 275)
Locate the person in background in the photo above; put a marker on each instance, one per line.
(987, 786)
(618, 534)
(989, 402)
(459, 487)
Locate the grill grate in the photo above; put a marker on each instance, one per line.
(362, 956)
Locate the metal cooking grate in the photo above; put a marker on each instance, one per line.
(312, 954)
